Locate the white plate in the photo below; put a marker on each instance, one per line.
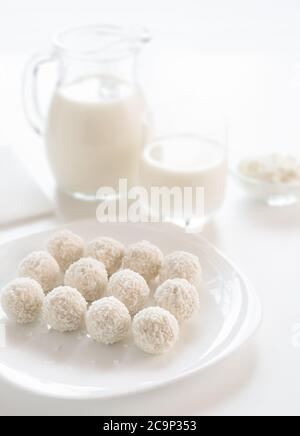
(72, 366)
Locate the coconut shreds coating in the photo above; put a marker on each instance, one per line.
(108, 321)
(155, 330)
(42, 267)
(22, 300)
(64, 309)
(179, 297)
(130, 288)
(144, 258)
(89, 277)
(181, 265)
(66, 248)
(108, 251)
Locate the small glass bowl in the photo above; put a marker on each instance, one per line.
(273, 194)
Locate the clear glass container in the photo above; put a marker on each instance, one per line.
(97, 119)
(189, 156)
(185, 176)
(274, 192)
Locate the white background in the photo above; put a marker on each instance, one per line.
(244, 56)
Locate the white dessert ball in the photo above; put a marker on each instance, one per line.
(108, 251)
(181, 265)
(144, 258)
(64, 309)
(130, 288)
(179, 297)
(108, 321)
(22, 300)
(43, 268)
(155, 330)
(66, 248)
(89, 277)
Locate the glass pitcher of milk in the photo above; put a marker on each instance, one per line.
(96, 123)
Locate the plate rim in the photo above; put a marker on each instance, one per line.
(251, 324)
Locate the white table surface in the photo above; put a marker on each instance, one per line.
(246, 60)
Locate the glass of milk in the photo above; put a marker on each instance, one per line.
(189, 156)
(96, 123)
(185, 176)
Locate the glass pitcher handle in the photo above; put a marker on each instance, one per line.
(31, 103)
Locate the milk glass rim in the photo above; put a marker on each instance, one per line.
(157, 142)
(134, 37)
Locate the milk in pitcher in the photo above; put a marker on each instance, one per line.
(94, 134)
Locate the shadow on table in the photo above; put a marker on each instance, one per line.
(200, 394)
(72, 209)
(270, 217)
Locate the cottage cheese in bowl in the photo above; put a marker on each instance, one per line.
(273, 178)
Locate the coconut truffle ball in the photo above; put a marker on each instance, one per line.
(181, 265)
(130, 288)
(42, 267)
(155, 330)
(89, 277)
(108, 321)
(108, 251)
(64, 309)
(66, 248)
(145, 259)
(22, 300)
(179, 297)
